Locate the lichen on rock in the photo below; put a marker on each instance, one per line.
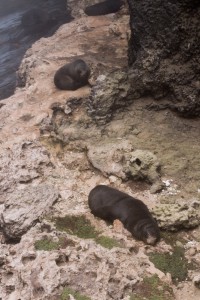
(181, 215)
(111, 92)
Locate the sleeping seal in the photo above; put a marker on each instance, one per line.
(109, 204)
(72, 76)
(104, 8)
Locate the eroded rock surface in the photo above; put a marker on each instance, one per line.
(164, 52)
(119, 158)
(46, 135)
(23, 208)
(22, 163)
(114, 272)
(111, 92)
(177, 216)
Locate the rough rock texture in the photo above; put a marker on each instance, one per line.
(46, 132)
(23, 208)
(81, 264)
(164, 52)
(177, 216)
(121, 160)
(30, 162)
(111, 92)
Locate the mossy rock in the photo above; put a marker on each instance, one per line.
(68, 291)
(76, 225)
(172, 238)
(107, 242)
(176, 264)
(46, 244)
(152, 288)
(81, 227)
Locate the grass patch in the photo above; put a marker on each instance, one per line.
(46, 244)
(176, 264)
(77, 225)
(171, 238)
(152, 288)
(68, 291)
(81, 227)
(107, 242)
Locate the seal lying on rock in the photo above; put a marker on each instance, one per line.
(110, 204)
(104, 8)
(72, 76)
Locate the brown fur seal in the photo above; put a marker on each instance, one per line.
(104, 8)
(72, 76)
(110, 204)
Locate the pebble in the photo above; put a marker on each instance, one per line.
(192, 251)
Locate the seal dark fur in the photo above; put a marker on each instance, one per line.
(110, 204)
(72, 76)
(104, 8)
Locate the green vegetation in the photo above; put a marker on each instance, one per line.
(176, 264)
(68, 291)
(172, 238)
(77, 225)
(152, 289)
(46, 244)
(107, 242)
(81, 227)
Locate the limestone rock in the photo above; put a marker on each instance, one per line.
(79, 264)
(110, 92)
(24, 207)
(118, 158)
(22, 163)
(177, 216)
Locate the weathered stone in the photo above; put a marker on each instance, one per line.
(164, 52)
(196, 280)
(24, 207)
(110, 92)
(114, 272)
(21, 164)
(177, 216)
(118, 158)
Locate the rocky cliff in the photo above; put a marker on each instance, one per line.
(164, 52)
(55, 146)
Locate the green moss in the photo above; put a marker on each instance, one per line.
(81, 227)
(68, 291)
(176, 264)
(172, 238)
(107, 242)
(152, 288)
(46, 244)
(76, 225)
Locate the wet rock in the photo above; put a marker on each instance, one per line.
(177, 216)
(164, 52)
(110, 92)
(24, 207)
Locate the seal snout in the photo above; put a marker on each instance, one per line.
(151, 240)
